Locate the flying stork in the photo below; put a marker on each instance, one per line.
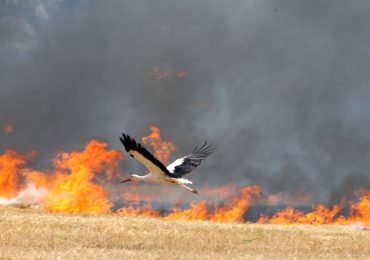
(158, 173)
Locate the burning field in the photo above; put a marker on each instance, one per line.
(78, 209)
(82, 182)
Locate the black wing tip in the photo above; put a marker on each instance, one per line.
(128, 142)
(206, 149)
(193, 160)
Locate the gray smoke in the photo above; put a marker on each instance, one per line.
(281, 88)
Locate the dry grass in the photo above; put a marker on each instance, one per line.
(30, 234)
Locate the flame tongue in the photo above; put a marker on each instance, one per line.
(162, 149)
(360, 212)
(10, 164)
(72, 185)
(72, 189)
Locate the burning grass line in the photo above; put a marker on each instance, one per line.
(74, 186)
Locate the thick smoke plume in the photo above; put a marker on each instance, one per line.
(281, 88)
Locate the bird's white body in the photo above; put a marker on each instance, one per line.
(155, 174)
(155, 178)
(162, 179)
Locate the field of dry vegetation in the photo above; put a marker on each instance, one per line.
(32, 234)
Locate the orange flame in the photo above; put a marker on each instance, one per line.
(71, 186)
(233, 211)
(8, 129)
(238, 207)
(162, 149)
(10, 164)
(360, 212)
(197, 211)
(320, 215)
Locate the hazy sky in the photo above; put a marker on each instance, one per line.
(281, 88)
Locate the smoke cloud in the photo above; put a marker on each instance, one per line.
(281, 88)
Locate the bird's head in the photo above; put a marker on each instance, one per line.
(133, 177)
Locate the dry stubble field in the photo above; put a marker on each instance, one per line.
(31, 234)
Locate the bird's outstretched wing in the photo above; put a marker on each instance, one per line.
(137, 151)
(188, 163)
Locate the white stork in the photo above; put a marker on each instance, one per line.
(158, 173)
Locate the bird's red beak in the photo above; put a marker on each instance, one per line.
(125, 180)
